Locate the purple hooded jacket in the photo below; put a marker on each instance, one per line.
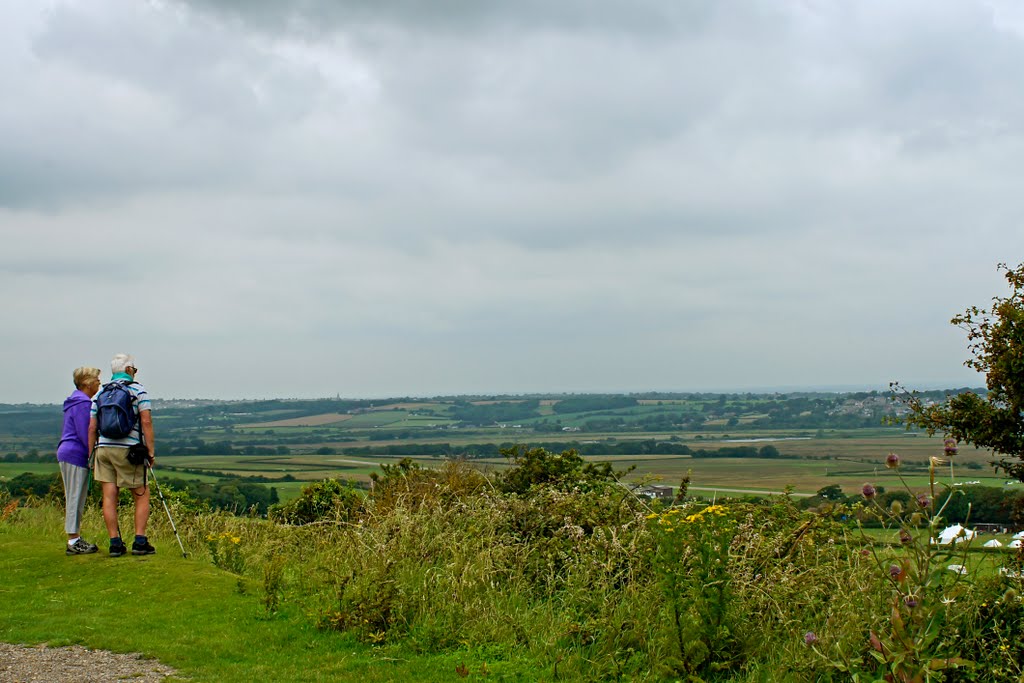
(74, 441)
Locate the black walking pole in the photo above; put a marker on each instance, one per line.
(168, 511)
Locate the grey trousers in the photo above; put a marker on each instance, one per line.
(76, 481)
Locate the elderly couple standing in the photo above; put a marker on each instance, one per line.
(111, 467)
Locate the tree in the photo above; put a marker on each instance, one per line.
(995, 339)
(831, 492)
(329, 499)
(566, 470)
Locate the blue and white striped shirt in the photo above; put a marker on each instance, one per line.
(142, 404)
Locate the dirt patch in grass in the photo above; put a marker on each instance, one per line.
(76, 663)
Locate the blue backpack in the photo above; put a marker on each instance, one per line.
(116, 413)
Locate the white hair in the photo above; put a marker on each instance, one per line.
(122, 361)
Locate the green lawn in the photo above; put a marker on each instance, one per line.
(13, 469)
(204, 622)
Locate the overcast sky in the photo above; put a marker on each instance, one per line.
(320, 197)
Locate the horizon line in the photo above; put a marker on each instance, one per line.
(763, 390)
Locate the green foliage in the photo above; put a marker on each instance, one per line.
(914, 641)
(188, 614)
(691, 560)
(579, 583)
(231, 494)
(995, 339)
(984, 504)
(330, 500)
(27, 484)
(179, 500)
(991, 630)
(536, 467)
(831, 492)
(591, 403)
(406, 484)
(225, 553)
(489, 413)
(438, 564)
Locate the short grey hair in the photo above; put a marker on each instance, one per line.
(122, 361)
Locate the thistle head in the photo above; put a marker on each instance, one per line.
(949, 447)
(868, 491)
(892, 461)
(810, 638)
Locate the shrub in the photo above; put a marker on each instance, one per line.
(407, 484)
(27, 485)
(329, 499)
(537, 467)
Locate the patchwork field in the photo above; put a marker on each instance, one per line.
(816, 440)
(810, 463)
(13, 469)
(309, 421)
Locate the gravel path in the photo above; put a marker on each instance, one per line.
(21, 664)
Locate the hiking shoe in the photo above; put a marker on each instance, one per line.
(142, 548)
(80, 547)
(117, 549)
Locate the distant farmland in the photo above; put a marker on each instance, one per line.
(308, 421)
(727, 443)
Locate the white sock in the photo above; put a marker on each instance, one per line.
(71, 541)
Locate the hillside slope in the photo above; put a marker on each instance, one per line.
(207, 624)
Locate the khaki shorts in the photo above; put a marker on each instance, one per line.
(112, 467)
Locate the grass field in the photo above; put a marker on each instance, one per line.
(309, 421)
(206, 623)
(455, 552)
(848, 459)
(850, 463)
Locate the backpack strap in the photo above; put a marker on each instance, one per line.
(138, 413)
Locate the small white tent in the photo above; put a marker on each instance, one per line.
(993, 544)
(955, 534)
(1015, 543)
(1019, 534)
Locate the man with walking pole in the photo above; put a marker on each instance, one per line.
(121, 439)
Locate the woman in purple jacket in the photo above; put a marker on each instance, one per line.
(73, 456)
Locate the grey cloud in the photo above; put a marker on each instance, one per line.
(112, 110)
(503, 108)
(432, 197)
(196, 67)
(454, 16)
